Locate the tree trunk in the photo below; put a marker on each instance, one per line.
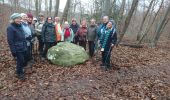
(128, 18)
(121, 15)
(149, 27)
(56, 8)
(50, 7)
(46, 7)
(36, 7)
(143, 20)
(65, 13)
(39, 7)
(106, 7)
(161, 26)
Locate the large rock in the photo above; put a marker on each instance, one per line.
(67, 54)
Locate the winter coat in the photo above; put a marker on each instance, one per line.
(58, 32)
(100, 29)
(69, 39)
(48, 32)
(82, 33)
(108, 37)
(38, 27)
(74, 28)
(92, 33)
(16, 38)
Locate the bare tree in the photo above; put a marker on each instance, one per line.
(39, 6)
(56, 8)
(161, 26)
(128, 19)
(50, 7)
(66, 9)
(149, 27)
(106, 7)
(46, 7)
(143, 20)
(36, 7)
(121, 15)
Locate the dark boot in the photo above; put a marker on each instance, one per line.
(21, 77)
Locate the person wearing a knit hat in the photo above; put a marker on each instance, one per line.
(15, 15)
(17, 43)
(108, 39)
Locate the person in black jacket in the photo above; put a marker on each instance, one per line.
(17, 43)
(74, 26)
(48, 35)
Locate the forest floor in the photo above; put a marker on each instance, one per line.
(144, 74)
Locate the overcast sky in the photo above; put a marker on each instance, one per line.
(63, 2)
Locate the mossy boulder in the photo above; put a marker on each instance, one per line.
(67, 54)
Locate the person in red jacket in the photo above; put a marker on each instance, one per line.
(82, 33)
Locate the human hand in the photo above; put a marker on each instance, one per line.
(102, 49)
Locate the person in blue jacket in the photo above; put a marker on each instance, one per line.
(29, 37)
(108, 39)
(17, 43)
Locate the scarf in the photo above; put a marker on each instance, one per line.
(67, 33)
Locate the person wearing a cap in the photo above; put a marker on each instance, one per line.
(38, 32)
(29, 37)
(108, 39)
(74, 26)
(68, 34)
(82, 34)
(48, 36)
(17, 43)
(58, 29)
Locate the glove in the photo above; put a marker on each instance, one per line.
(102, 49)
(112, 45)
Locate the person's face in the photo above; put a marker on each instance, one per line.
(41, 18)
(105, 19)
(17, 20)
(66, 26)
(57, 19)
(109, 25)
(93, 22)
(83, 24)
(25, 18)
(74, 22)
(50, 20)
(30, 20)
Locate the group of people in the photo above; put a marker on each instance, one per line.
(24, 28)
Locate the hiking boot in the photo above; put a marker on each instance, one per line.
(42, 59)
(21, 77)
(104, 68)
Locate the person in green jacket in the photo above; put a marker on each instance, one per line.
(67, 33)
(91, 36)
(48, 35)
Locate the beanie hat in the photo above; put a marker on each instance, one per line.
(30, 15)
(23, 14)
(15, 15)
